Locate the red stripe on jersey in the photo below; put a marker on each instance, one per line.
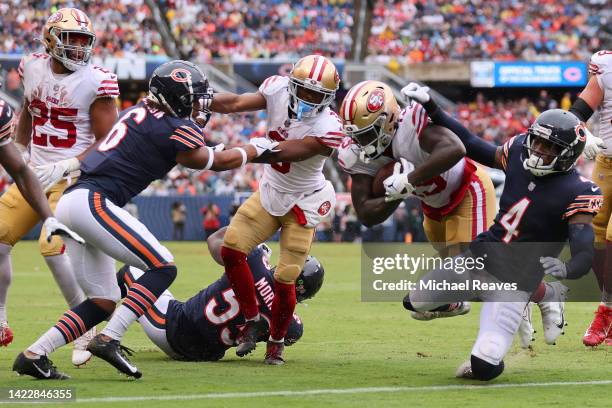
(181, 133)
(419, 119)
(109, 81)
(322, 69)
(108, 88)
(192, 131)
(579, 210)
(423, 123)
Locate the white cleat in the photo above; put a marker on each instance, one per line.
(553, 318)
(525, 330)
(465, 371)
(80, 355)
(455, 309)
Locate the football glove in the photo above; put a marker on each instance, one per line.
(554, 267)
(50, 174)
(53, 227)
(593, 145)
(416, 92)
(264, 145)
(397, 186)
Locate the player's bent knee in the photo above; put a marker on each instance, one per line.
(491, 347)
(485, 371)
(231, 238)
(408, 304)
(287, 273)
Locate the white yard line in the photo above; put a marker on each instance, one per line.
(335, 391)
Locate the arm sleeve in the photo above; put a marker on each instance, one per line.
(476, 148)
(581, 238)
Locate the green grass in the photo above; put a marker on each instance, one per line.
(346, 344)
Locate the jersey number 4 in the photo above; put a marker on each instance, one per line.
(41, 114)
(511, 219)
(281, 167)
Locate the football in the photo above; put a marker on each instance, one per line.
(378, 189)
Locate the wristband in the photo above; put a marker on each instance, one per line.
(244, 155)
(211, 158)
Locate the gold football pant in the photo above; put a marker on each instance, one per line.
(17, 218)
(474, 214)
(253, 225)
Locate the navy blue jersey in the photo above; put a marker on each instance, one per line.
(205, 326)
(534, 211)
(6, 122)
(140, 148)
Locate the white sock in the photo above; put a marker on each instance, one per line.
(119, 323)
(6, 273)
(48, 342)
(61, 268)
(136, 273)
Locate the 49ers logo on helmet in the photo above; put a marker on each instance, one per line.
(55, 17)
(180, 75)
(376, 100)
(324, 208)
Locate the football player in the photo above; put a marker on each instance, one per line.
(457, 196)
(147, 141)
(69, 104)
(544, 203)
(598, 94)
(204, 327)
(293, 194)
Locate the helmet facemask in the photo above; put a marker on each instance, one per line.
(308, 109)
(372, 140)
(72, 56)
(552, 156)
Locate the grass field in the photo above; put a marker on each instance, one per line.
(352, 353)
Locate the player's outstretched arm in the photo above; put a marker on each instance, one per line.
(227, 102)
(295, 151)
(370, 210)
(208, 158)
(476, 148)
(445, 151)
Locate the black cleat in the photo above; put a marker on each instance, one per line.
(252, 331)
(274, 353)
(113, 352)
(41, 368)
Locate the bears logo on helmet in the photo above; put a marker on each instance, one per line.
(180, 75)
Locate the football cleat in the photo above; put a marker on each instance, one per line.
(274, 353)
(6, 334)
(41, 368)
(113, 353)
(454, 309)
(80, 355)
(252, 331)
(525, 330)
(553, 320)
(465, 371)
(609, 338)
(600, 328)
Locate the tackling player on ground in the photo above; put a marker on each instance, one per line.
(147, 141)
(598, 94)
(544, 203)
(69, 104)
(293, 195)
(205, 326)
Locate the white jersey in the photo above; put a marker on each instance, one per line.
(601, 66)
(60, 104)
(443, 192)
(291, 181)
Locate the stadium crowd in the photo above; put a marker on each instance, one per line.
(241, 29)
(416, 31)
(121, 26)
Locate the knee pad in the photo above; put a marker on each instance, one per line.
(55, 247)
(490, 346)
(287, 273)
(485, 371)
(113, 294)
